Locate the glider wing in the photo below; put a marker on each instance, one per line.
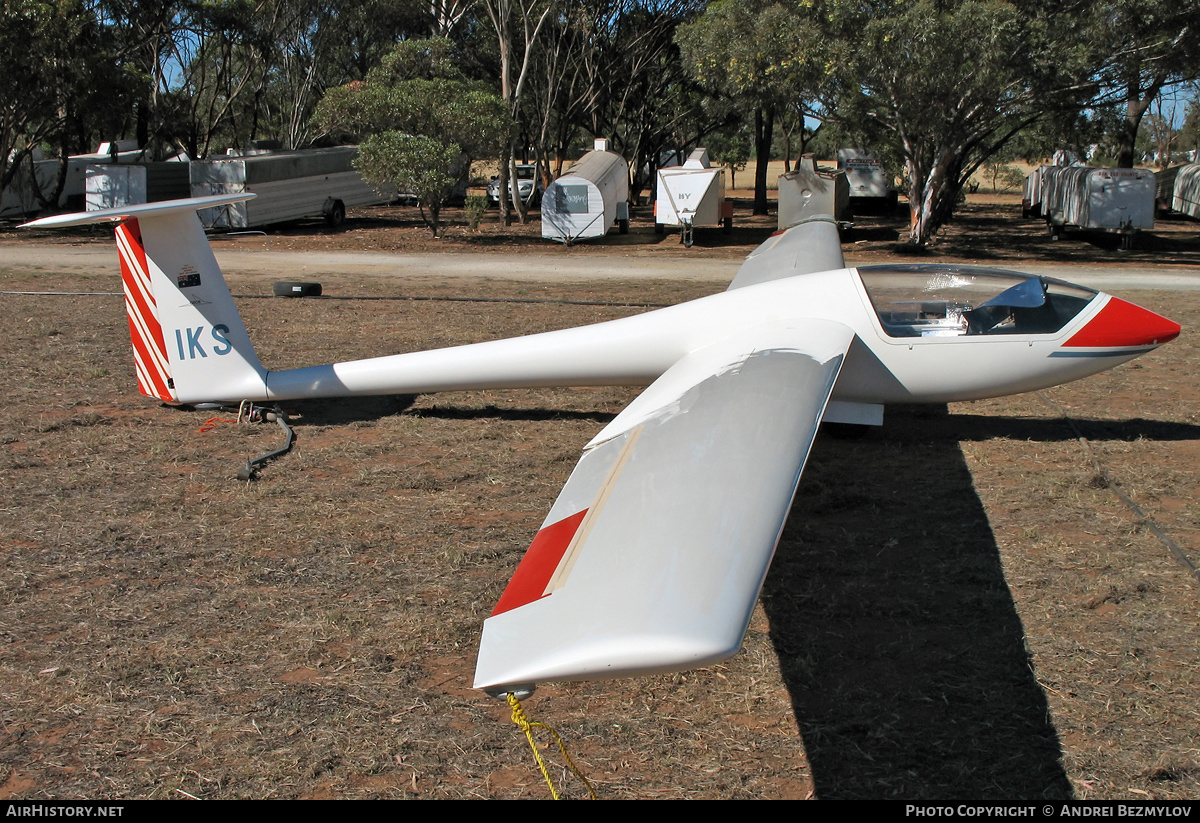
(652, 557)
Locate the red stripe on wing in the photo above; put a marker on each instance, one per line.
(537, 567)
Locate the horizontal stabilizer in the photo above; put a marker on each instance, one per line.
(141, 210)
(810, 246)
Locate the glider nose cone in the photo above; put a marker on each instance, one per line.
(1121, 324)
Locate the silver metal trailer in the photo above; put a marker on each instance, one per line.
(290, 186)
(810, 191)
(1031, 200)
(1185, 193)
(691, 195)
(589, 199)
(870, 183)
(1164, 188)
(107, 186)
(1102, 199)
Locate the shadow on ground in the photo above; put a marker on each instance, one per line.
(896, 632)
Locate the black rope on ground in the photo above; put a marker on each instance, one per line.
(1110, 484)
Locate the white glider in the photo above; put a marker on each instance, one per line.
(652, 557)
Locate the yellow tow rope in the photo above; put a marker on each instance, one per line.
(526, 725)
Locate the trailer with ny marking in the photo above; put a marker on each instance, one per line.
(691, 195)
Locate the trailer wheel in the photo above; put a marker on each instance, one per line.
(659, 228)
(623, 226)
(335, 214)
(287, 288)
(727, 224)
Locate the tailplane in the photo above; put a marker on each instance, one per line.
(189, 342)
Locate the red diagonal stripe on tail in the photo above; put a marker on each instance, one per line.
(149, 347)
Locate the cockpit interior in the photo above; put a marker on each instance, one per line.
(951, 301)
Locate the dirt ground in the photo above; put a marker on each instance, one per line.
(962, 605)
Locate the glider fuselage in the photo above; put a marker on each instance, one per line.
(924, 363)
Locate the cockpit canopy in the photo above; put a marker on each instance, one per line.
(949, 301)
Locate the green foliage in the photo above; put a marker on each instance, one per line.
(947, 84)
(730, 146)
(1141, 46)
(418, 89)
(1002, 176)
(1189, 134)
(454, 111)
(1076, 130)
(475, 207)
(425, 121)
(420, 166)
(55, 80)
(762, 53)
(765, 57)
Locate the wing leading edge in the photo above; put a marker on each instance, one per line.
(652, 557)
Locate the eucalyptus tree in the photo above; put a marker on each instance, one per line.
(640, 93)
(61, 85)
(518, 25)
(320, 44)
(421, 119)
(946, 83)
(764, 55)
(1142, 46)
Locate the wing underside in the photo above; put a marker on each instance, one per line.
(652, 556)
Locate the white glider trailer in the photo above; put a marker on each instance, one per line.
(290, 185)
(809, 191)
(691, 195)
(586, 201)
(1031, 199)
(108, 186)
(1100, 199)
(20, 197)
(870, 183)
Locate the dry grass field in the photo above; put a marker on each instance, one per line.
(961, 606)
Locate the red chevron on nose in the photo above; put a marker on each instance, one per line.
(1121, 323)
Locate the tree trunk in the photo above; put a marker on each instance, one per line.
(502, 198)
(1136, 105)
(932, 195)
(1134, 109)
(514, 189)
(764, 128)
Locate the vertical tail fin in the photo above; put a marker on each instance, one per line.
(189, 342)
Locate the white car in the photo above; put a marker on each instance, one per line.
(527, 184)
